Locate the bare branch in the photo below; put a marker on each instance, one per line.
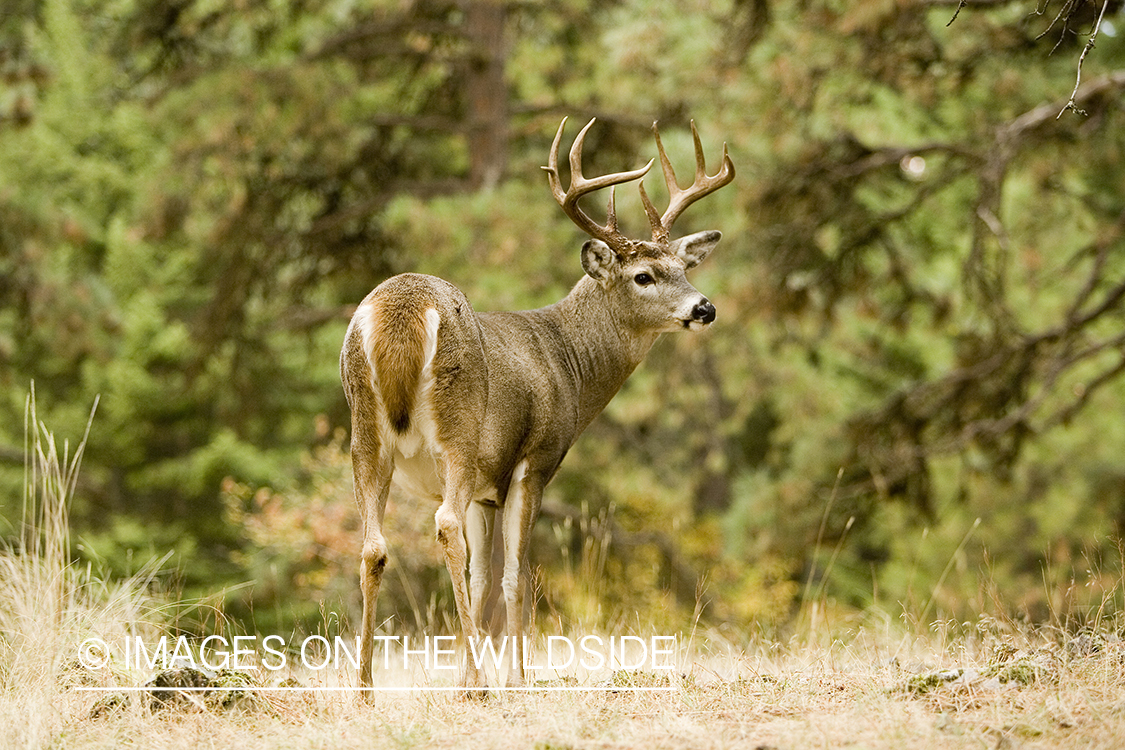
(1065, 10)
(965, 4)
(1066, 14)
(1081, 59)
(956, 12)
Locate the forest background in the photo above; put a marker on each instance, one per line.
(911, 401)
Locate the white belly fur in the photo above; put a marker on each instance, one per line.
(419, 474)
(422, 475)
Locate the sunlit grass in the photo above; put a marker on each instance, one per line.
(838, 679)
(49, 606)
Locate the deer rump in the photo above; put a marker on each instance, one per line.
(432, 387)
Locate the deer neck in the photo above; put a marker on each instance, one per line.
(602, 353)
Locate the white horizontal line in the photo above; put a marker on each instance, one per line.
(434, 689)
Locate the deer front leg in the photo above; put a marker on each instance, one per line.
(450, 519)
(372, 467)
(521, 508)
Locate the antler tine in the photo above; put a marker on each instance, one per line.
(580, 186)
(611, 211)
(659, 233)
(552, 168)
(702, 185)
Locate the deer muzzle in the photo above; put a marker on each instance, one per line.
(703, 312)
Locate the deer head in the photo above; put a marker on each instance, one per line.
(645, 280)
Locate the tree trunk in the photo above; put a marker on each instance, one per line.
(486, 92)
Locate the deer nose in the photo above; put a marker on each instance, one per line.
(704, 311)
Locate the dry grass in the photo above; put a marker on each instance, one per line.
(849, 695)
(871, 685)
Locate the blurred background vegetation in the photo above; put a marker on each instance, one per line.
(921, 290)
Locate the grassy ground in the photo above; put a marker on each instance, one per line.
(861, 684)
(841, 695)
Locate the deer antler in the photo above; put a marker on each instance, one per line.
(680, 199)
(580, 186)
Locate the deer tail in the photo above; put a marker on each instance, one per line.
(400, 341)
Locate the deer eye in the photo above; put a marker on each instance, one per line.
(643, 279)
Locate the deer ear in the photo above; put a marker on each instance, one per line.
(695, 247)
(598, 259)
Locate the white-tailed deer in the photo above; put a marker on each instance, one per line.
(477, 410)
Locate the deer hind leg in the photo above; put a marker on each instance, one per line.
(450, 519)
(479, 524)
(372, 467)
(521, 508)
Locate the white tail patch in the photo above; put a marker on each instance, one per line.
(364, 322)
(422, 427)
(433, 323)
(423, 430)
